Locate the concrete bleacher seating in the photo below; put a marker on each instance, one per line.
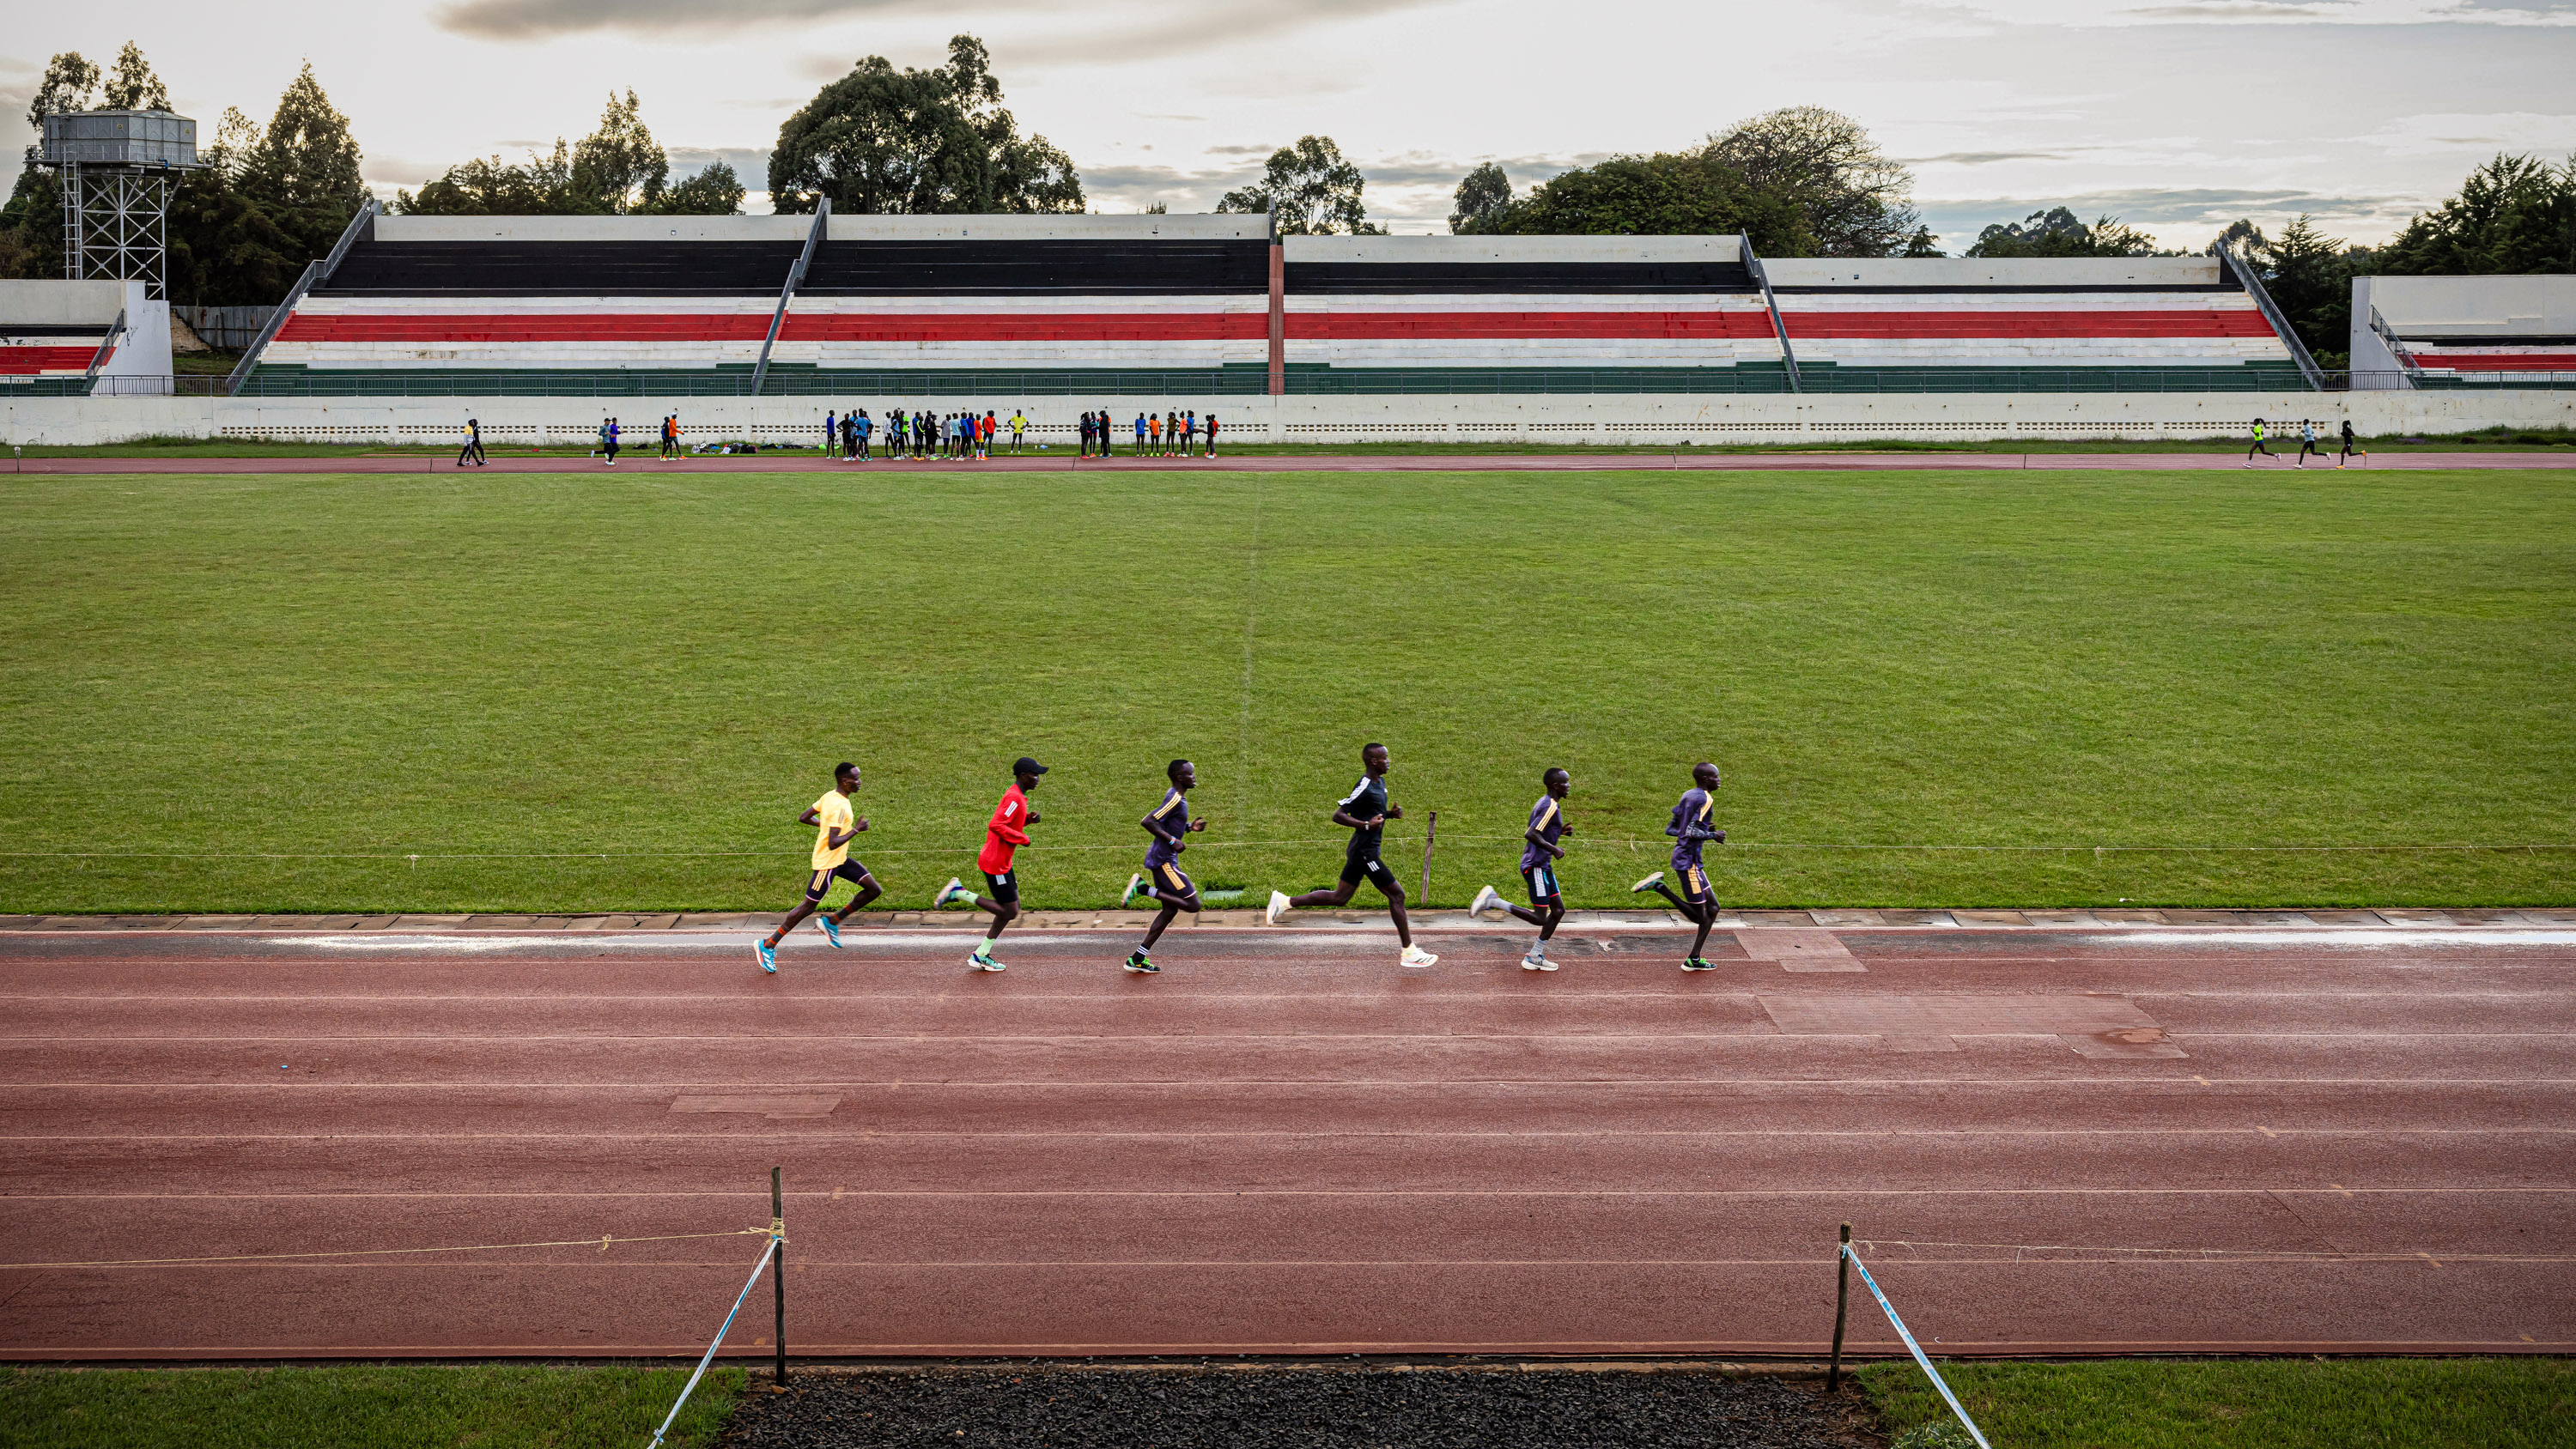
(909, 305)
(53, 337)
(2454, 331)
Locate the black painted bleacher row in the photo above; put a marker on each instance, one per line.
(1567, 278)
(579, 269)
(972, 268)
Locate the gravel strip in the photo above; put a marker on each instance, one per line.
(1296, 1408)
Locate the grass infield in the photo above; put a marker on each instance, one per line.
(615, 691)
(2468, 1403)
(489, 1406)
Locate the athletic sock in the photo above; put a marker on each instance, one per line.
(987, 948)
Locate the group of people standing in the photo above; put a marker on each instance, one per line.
(921, 434)
(1364, 812)
(1174, 434)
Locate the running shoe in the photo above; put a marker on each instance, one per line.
(831, 928)
(1142, 964)
(981, 962)
(1487, 898)
(1135, 888)
(1697, 963)
(1278, 907)
(955, 887)
(1649, 883)
(768, 956)
(1545, 964)
(1533, 962)
(1415, 956)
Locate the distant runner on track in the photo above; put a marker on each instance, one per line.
(1162, 878)
(1691, 829)
(1364, 812)
(2351, 445)
(835, 826)
(1006, 832)
(1539, 855)
(2258, 444)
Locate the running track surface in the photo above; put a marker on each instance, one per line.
(1309, 463)
(2048, 1141)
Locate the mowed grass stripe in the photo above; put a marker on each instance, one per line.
(210, 667)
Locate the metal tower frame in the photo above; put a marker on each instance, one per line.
(117, 168)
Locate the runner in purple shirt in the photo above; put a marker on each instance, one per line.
(1162, 878)
(1692, 828)
(1539, 855)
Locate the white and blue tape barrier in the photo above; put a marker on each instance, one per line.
(771, 1251)
(1911, 1347)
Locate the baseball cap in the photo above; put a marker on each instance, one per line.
(1026, 766)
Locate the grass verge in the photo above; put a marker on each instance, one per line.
(595, 691)
(2465, 1403)
(489, 1406)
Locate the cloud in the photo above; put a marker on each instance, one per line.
(1137, 29)
(2090, 14)
(751, 163)
(1985, 158)
(2459, 131)
(2171, 211)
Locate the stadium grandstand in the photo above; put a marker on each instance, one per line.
(61, 339)
(2438, 332)
(1210, 306)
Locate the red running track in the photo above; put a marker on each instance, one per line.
(1063, 461)
(2049, 1142)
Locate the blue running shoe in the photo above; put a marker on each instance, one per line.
(768, 957)
(831, 929)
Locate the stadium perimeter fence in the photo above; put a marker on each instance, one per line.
(1232, 382)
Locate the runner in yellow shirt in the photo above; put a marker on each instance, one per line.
(834, 826)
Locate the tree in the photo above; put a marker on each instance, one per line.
(1922, 244)
(304, 172)
(620, 167)
(69, 84)
(2514, 215)
(1855, 200)
(1668, 194)
(715, 191)
(2056, 233)
(132, 86)
(1480, 198)
(879, 140)
(1313, 191)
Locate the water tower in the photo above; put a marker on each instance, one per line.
(117, 168)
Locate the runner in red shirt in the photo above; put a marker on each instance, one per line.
(1007, 831)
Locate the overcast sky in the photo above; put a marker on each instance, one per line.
(2176, 117)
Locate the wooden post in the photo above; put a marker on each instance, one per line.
(1842, 1302)
(778, 1273)
(1429, 832)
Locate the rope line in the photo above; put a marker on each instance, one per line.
(601, 1242)
(2394, 1255)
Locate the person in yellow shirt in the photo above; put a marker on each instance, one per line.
(835, 825)
(1019, 428)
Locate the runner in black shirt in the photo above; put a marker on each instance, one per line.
(1364, 812)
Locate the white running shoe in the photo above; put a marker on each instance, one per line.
(1533, 963)
(1649, 883)
(1487, 898)
(1415, 956)
(1545, 964)
(1135, 887)
(1278, 907)
(953, 888)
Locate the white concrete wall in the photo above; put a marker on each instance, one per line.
(1459, 418)
(2068, 273)
(1049, 227)
(62, 304)
(2461, 308)
(141, 358)
(592, 228)
(1465, 249)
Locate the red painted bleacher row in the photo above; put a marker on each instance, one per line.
(34, 361)
(1219, 326)
(2498, 361)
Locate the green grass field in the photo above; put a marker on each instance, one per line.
(615, 691)
(358, 1406)
(2490, 1403)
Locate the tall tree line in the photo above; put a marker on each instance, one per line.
(268, 199)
